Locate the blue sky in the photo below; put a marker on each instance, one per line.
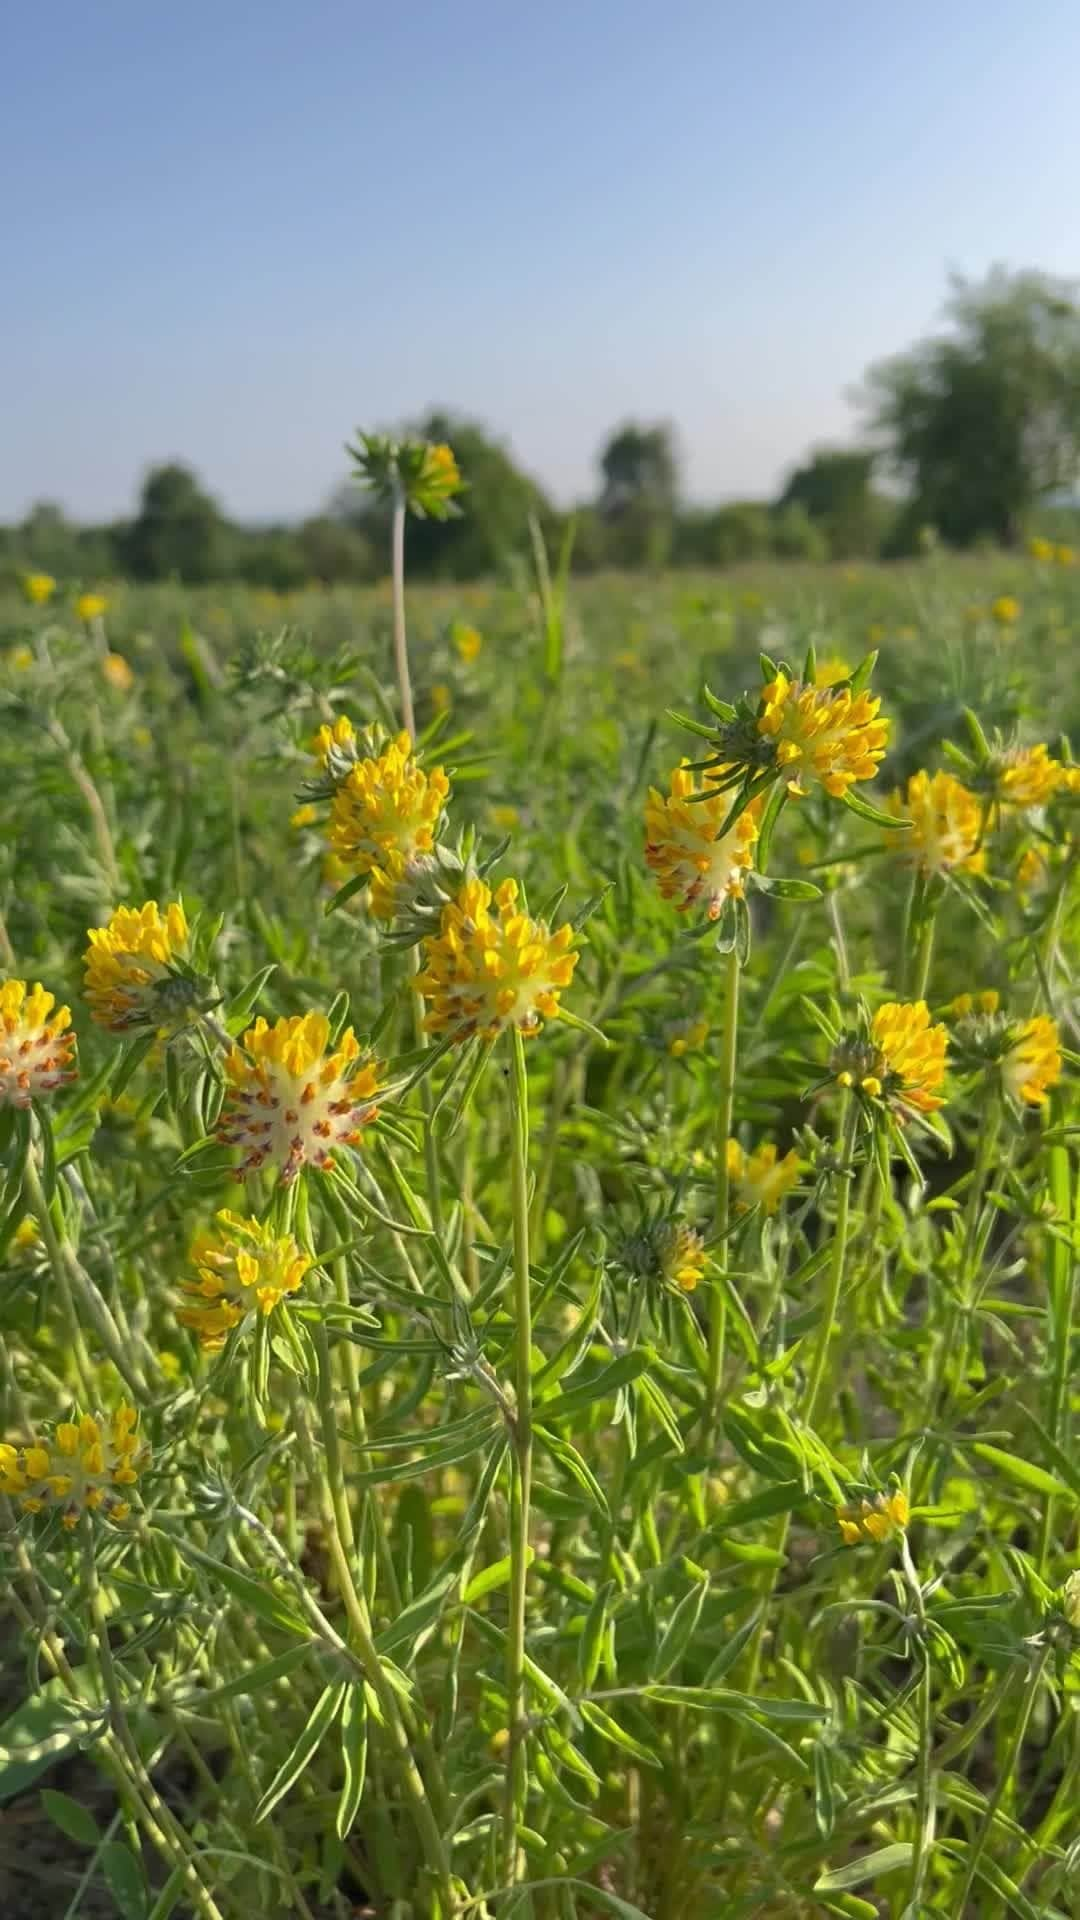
(235, 231)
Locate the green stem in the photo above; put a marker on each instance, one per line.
(74, 1283)
(521, 1483)
(1005, 1772)
(1061, 1297)
(923, 955)
(729, 1042)
(845, 1141)
(401, 650)
(54, 1247)
(924, 1776)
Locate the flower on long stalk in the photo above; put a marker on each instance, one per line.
(693, 867)
(385, 814)
(1024, 1055)
(491, 967)
(898, 1061)
(137, 972)
(761, 1179)
(89, 1463)
(1032, 1064)
(37, 1053)
(38, 588)
(946, 825)
(244, 1268)
(290, 1101)
(422, 473)
(874, 1520)
(1027, 776)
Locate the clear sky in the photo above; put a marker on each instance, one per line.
(235, 230)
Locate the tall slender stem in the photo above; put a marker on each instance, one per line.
(729, 1045)
(1005, 1772)
(924, 954)
(73, 1280)
(1062, 1304)
(401, 651)
(845, 1141)
(521, 1484)
(924, 1775)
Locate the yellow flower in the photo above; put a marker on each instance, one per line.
(441, 697)
(1033, 1063)
(245, 1268)
(439, 476)
(491, 967)
(692, 867)
(20, 658)
(505, 818)
(876, 1520)
(117, 672)
(687, 1039)
(132, 979)
(38, 588)
(37, 1055)
(1065, 556)
(289, 1101)
(386, 810)
(27, 1234)
(966, 1004)
(1040, 549)
(1006, 610)
(1031, 870)
(682, 1256)
(829, 672)
(821, 734)
(759, 1178)
(335, 747)
(912, 1053)
(946, 825)
(86, 1463)
(467, 640)
(90, 606)
(1029, 776)
(304, 816)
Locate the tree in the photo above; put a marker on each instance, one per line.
(639, 493)
(495, 507)
(985, 421)
(178, 530)
(833, 489)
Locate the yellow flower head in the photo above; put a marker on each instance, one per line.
(20, 659)
(335, 747)
(243, 1269)
(688, 1038)
(304, 816)
(117, 672)
(87, 1463)
(1033, 1063)
(1029, 776)
(946, 825)
(692, 867)
(90, 606)
(759, 1178)
(875, 1520)
(386, 809)
(131, 976)
(467, 640)
(1006, 610)
(682, 1256)
(290, 1101)
(1031, 870)
(1065, 556)
(822, 734)
(1040, 549)
(902, 1062)
(828, 673)
(441, 697)
(966, 1004)
(439, 477)
(38, 588)
(491, 967)
(37, 1055)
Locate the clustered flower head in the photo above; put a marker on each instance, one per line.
(946, 825)
(91, 606)
(37, 1052)
(826, 735)
(38, 588)
(693, 868)
(900, 1061)
(681, 1255)
(423, 474)
(689, 1037)
(336, 749)
(875, 1520)
(491, 967)
(88, 1463)
(384, 817)
(1032, 1063)
(1026, 776)
(289, 1101)
(245, 1268)
(761, 1179)
(133, 978)
(117, 671)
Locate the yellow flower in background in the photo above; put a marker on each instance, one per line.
(966, 1004)
(692, 867)
(491, 967)
(304, 816)
(1040, 549)
(822, 734)
(1065, 556)
(289, 1101)
(1029, 776)
(26, 1235)
(1031, 870)
(688, 1039)
(506, 818)
(467, 640)
(131, 975)
(20, 658)
(682, 1256)
(1006, 611)
(37, 1053)
(117, 672)
(1033, 1063)
(830, 671)
(90, 606)
(243, 1269)
(759, 1179)
(440, 477)
(874, 1520)
(38, 588)
(386, 807)
(946, 825)
(441, 697)
(83, 1465)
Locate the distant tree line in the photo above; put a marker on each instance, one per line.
(970, 435)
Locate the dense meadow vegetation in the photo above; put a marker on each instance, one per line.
(610, 1452)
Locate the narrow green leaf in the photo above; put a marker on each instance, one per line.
(320, 1720)
(869, 1866)
(680, 1629)
(71, 1818)
(604, 1724)
(353, 1758)
(127, 1881)
(1024, 1472)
